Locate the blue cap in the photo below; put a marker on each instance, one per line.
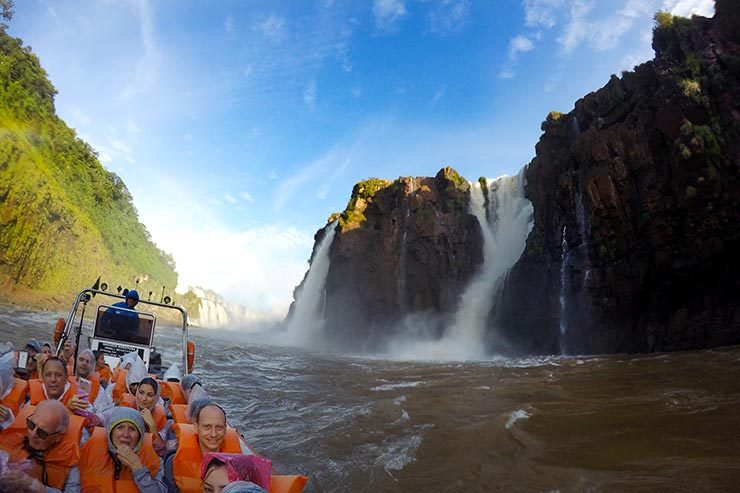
(133, 294)
(34, 344)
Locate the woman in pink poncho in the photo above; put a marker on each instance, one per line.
(218, 470)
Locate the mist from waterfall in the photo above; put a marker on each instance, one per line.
(307, 319)
(504, 239)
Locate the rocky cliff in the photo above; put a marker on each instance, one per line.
(407, 246)
(636, 195)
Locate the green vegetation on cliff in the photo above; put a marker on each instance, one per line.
(362, 192)
(64, 219)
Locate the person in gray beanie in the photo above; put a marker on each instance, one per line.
(243, 487)
(121, 454)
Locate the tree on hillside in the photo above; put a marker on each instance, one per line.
(6, 12)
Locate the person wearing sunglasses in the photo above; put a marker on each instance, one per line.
(49, 438)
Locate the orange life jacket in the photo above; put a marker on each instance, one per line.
(160, 418)
(287, 484)
(171, 391)
(186, 462)
(36, 391)
(120, 389)
(57, 461)
(105, 373)
(179, 413)
(97, 468)
(16, 397)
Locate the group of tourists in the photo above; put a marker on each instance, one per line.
(74, 425)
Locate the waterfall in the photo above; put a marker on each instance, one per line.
(211, 314)
(564, 259)
(504, 239)
(401, 289)
(401, 280)
(307, 319)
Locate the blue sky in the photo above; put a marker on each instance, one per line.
(240, 126)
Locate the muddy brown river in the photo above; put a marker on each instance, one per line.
(663, 422)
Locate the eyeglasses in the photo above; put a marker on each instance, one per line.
(42, 434)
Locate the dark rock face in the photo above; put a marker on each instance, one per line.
(400, 247)
(636, 196)
(642, 181)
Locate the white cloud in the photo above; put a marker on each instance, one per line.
(519, 44)
(247, 197)
(439, 94)
(449, 16)
(119, 145)
(273, 27)
(145, 75)
(601, 34)
(541, 12)
(230, 199)
(342, 49)
(188, 136)
(257, 268)
(133, 128)
(229, 24)
(636, 8)
(79, 117)
(577, 29)
(687, 8)
(309, 95)
(318, 174)
(388, 13)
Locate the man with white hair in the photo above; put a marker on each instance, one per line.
(49, 437)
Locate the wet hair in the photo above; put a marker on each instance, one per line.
(214, 464)
(151, 382)
(196, 412)
(54, 358)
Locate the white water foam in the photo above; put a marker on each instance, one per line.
(516, 416)
(392, 386)
(307, 320)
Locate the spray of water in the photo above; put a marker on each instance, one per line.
(504, 239)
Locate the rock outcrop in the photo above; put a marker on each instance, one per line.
(407, 246)
(636, 195)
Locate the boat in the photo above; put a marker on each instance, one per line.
(117, 331)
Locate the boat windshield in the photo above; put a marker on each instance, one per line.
(123, 325)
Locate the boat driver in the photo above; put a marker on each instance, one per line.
(122, 324)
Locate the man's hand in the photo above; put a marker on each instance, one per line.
(78, 402)
(20, 481)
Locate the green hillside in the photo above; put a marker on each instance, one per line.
(64, 219)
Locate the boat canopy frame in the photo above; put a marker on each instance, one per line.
(72, 331)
